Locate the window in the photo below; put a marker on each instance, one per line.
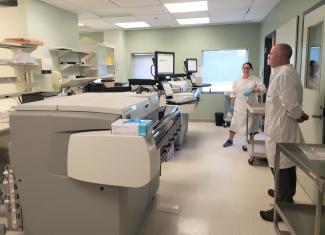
(221, 68)
(141, 66)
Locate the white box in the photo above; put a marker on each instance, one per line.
(131, 127)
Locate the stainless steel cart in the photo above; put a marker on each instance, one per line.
(301, 219)
(255, 146)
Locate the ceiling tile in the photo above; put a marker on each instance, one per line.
(191, 15)
(259, 10)
(96, 23)
(135, 3)
(227, 19)
(86, 15)
(165, 20)
(255, 18)
(121, 19)
(153, 12)
(66, 5)
(241, 12)
(111, 12)
(149, 10)
(94, 5)
(229, 4)
(266, 2)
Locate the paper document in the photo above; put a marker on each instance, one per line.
(314, 153)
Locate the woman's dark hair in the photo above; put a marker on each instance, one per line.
(250, 65)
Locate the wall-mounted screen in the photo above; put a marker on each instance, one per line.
(191, 65)
(164, 64)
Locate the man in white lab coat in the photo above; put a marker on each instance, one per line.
(283, 112)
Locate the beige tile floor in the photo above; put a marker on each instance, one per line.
(216, 190)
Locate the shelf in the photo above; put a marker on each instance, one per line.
(300, 218)
(14, 46)
(63, 51)
(75, 82)
(25, 67)
(63, 67)
(107, 64)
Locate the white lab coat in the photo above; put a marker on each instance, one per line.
(282, 109)
(239, 118)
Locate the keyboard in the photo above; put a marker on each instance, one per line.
(182, 100)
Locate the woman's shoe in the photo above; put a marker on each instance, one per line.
(228, 143)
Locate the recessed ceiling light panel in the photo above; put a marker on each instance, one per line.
(129, 25)
(204, 20)
(187, 6)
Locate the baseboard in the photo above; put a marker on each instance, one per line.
(201, 120)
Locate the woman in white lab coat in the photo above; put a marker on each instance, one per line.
(244, 90)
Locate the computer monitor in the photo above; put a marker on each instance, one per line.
(191, 65)
(164, 64)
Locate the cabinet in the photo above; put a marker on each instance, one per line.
(16, 72)
(75, 66)
(302, 219)
(104, 61)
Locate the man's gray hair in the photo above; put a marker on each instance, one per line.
(285, 50)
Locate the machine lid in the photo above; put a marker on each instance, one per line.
(116, 103)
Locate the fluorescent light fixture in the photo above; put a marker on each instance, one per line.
(129, 25)
(187, 6)
(204, 20)
(81, 24)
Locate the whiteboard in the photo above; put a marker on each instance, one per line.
(287, 33)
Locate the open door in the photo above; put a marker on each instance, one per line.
(313, 75)
(313, 78)
(269, 41)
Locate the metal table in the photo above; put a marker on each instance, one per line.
(301, 219)
(257, 109)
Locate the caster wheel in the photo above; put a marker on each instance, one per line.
(244, 148)
(251, 161)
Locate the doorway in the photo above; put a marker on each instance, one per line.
(269, 41)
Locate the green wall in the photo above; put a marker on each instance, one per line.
(54, 26)
(190, 42)
(284, 11)
(96, 36)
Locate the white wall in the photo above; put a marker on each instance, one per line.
(117, 39)
(12, 24)
(54, 26)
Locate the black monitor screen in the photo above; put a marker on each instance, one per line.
(164, 64)
(191, 65)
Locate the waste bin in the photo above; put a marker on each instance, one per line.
(219, 119)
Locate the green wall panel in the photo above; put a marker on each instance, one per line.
(190, 42)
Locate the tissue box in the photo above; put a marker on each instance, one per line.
(131, 127)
